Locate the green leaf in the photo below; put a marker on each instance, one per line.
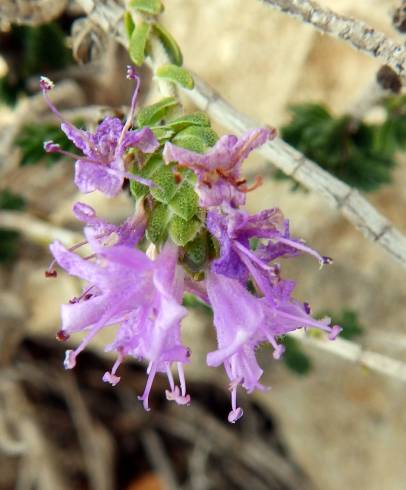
(196, 253)
(152, 164)
(162, 134)
(196, 138)
(129, 24)
(182, 232)
(194, 119)
(175, 74)
(138, 43)
(207, 135)
(166, 184)
(170, 45)
(185, 202)
(150, 115)
(157, 224)
(294, 358)
(152, 7)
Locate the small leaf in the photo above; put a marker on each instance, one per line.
(139, 190)
(138, 42)
(162, 134)
(170, 45)
(157, 224)
(192, 143)
(196, 253)
(152, 7)
(175, 74)
(182, 232)
(128, 24)
(194, 119)
(165, 184)
(152, 114)
(185, 201)
(207, 135)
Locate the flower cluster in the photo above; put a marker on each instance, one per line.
(136, 280)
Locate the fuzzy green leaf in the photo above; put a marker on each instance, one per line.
(185, 201)
(157, 224)
(139, 190)
(162, 134)
(153, 113)
(195, 119)
(138, 43)
(175, 74)
(166, 184)
(196, 253)
(170, 45)
(182, 232)
(152, 7)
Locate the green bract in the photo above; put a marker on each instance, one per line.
(182, 231)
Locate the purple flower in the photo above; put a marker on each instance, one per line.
(143, 296)
(243, 321)
(102, 166)
(128, 233)
(218, 170)
(235, 228)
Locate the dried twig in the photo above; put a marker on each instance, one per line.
(358, 34)
(36, 230)
(353, 206)
(94, 439)
(159, 459)
(355, 353)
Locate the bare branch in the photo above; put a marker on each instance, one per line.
(355, 353)
(36, 230)
(358, 34)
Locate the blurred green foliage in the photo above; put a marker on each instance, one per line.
(31, 142)
(9, 240)
(299, 362)
(30, 51)
(360, 154)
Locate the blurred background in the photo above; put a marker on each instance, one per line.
(327, 423)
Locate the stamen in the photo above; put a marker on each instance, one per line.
(51, 147)
(258, 182)
(131, 73)
(111, 377)
(144, 397)
(236, 412)
(304, 248)
(50, 272)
